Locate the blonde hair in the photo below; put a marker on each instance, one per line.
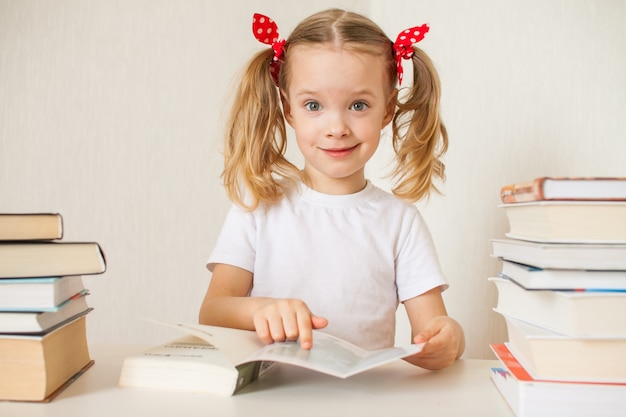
(256, 138)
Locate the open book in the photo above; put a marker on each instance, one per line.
(249, 357)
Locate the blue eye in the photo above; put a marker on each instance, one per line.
(359, 106)
(312, 106)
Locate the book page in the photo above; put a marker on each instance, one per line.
(330, 355)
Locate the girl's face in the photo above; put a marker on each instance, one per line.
(337, 102)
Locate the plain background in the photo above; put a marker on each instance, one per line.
(111, 113)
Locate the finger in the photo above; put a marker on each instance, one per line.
(305, 329)
(262, 329)
(428, 333)
(316, 323)
(290, 327)
(423, 337)
(319, 322)
(276, 329)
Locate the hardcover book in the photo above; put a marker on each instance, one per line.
(548, 355)
(533, 278)
(562, 255)
(38, 294)
(39, 322)
(42, 259)
(528, 397)
(31, 226)
(37, 368)
(565, 188)
(567, 221)
(573, 314)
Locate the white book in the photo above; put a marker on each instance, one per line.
(34, 322)
(185, 364)
(562, 255)
(38, 294)
(567, 221)
(240, 357)
(330, 354)
(550, 356)
(570, 313)
(528, 397)
(533, 278)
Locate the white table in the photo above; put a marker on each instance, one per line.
(397, 389)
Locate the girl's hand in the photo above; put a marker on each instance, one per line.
(279, 320)
(445, 343)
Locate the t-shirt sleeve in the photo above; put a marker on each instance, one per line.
(236, 244)
(417, 264)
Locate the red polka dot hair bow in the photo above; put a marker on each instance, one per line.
(403, 46)
(266, 31)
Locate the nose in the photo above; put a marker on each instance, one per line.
(336, 126)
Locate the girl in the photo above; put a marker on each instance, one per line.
(322, 247)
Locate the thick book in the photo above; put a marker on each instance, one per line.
(565, 188)
(533, 278)
(38, 294)
(42, 259)
(550, 356)
(588, 256)
(37, 368)
(39, 322)
(573, 314)
(330, 355)
(187, 364)
(567, 221)
(31, 226)
(528, 397)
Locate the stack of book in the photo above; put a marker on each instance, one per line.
(43, 306)
(562, 292)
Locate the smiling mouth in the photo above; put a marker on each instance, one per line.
(339, 153)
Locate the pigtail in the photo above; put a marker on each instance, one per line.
(256, 139)
(419, 136)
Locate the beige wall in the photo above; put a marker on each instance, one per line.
(110, 113)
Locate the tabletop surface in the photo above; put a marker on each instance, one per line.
(464, 389)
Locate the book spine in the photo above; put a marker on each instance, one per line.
(523, 192)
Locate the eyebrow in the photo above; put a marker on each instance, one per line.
(361, 92)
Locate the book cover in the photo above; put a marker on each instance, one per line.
(187, 364)
(567, 221)
(40, 322)
(562, 255)
(528, 397)
(41, 259)
(31, 226)
(573, 314)
(38, 294)
(546, 355)
(38, 368)
(533, 278)
(565, 188)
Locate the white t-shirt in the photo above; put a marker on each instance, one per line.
(351, 258)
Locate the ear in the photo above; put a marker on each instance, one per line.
(390, 109)
(286, 107)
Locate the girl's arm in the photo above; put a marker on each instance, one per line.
(227, 304)
(444, 337)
